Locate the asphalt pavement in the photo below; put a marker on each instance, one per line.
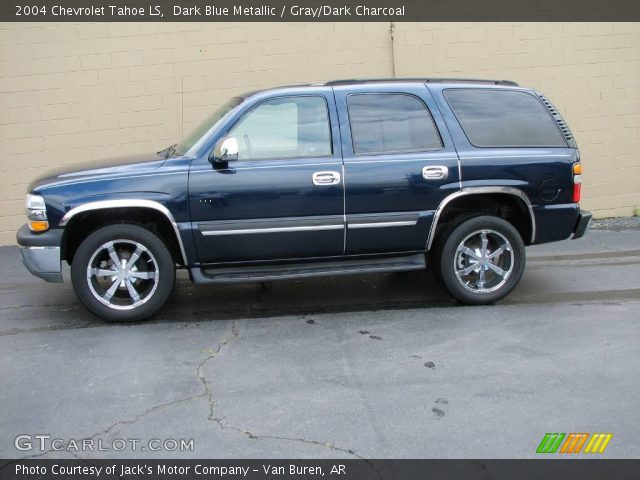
(379, 366)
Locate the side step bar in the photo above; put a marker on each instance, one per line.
(305, 270)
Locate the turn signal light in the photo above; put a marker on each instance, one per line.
(37, 213)
(577, 168)
(38, 225)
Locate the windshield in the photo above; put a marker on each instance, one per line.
(190, 140)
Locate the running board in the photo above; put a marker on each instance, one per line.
(305, 270)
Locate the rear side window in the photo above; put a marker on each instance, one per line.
(504, 118)
(390, 123)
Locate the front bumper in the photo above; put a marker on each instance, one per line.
(582, 224)
(40, 253)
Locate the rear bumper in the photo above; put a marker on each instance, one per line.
(40, 253)
(582, 224)
(560, 222)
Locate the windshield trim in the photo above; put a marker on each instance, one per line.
(195, 149)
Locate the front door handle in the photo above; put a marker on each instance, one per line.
(326, 178)
(435, 172)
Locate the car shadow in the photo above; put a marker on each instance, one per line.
(303, 297)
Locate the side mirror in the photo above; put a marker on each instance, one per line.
(226, 150)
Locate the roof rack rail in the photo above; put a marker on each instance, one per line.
(425, 80)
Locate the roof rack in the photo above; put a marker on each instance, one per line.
(424, 80)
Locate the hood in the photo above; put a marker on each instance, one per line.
(118, 165)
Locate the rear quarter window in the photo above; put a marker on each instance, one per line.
(504, 118)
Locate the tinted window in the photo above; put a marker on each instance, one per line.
(388, 123)
(502, 118)
(283, 128)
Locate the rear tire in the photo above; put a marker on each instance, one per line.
(123, 273)
(481, 260)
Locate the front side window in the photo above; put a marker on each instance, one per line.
(286, 127)
(504, 118)
(391, 123)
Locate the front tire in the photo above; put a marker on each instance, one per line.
(481, 260)
(123, 273)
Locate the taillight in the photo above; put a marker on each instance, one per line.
(577, 182)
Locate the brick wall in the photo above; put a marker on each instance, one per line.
(590, 71)
(75, 92)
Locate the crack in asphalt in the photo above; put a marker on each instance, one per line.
(208, 393)
(213, 353)
(219, 420)
(146, 412)
(137, 417)
(104, 431)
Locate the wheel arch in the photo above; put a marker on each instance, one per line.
(131, 210)
(498, 196)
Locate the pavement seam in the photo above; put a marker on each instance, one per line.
(36, 305)
(583, 256)
(602, 244)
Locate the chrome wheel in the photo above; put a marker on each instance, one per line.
(484, 261)
(122, 274)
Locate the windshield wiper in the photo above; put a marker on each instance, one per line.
(170, 151)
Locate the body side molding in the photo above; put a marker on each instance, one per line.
(248, 231)
(478, 191)
(127, 203)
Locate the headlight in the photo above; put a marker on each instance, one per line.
(37, 213)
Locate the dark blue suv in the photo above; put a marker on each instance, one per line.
(346, 177)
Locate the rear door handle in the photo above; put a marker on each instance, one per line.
(326, 178)
(435, 172)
